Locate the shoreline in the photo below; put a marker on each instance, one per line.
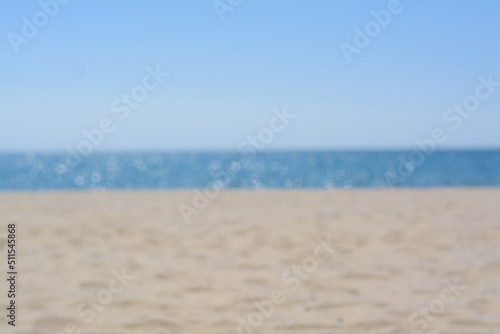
(250, 190)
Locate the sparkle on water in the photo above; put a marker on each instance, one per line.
(329, 170)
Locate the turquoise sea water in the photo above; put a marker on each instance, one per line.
(308, 169)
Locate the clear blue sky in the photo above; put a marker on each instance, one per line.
(227, 76)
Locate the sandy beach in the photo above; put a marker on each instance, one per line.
(360, 261)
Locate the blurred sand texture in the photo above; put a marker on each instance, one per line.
(126, 262)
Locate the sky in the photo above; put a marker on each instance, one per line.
(350, 74)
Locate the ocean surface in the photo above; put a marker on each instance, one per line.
(308, 169)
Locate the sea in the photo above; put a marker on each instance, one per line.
(255, 170)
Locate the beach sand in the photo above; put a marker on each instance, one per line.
(360, 261)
